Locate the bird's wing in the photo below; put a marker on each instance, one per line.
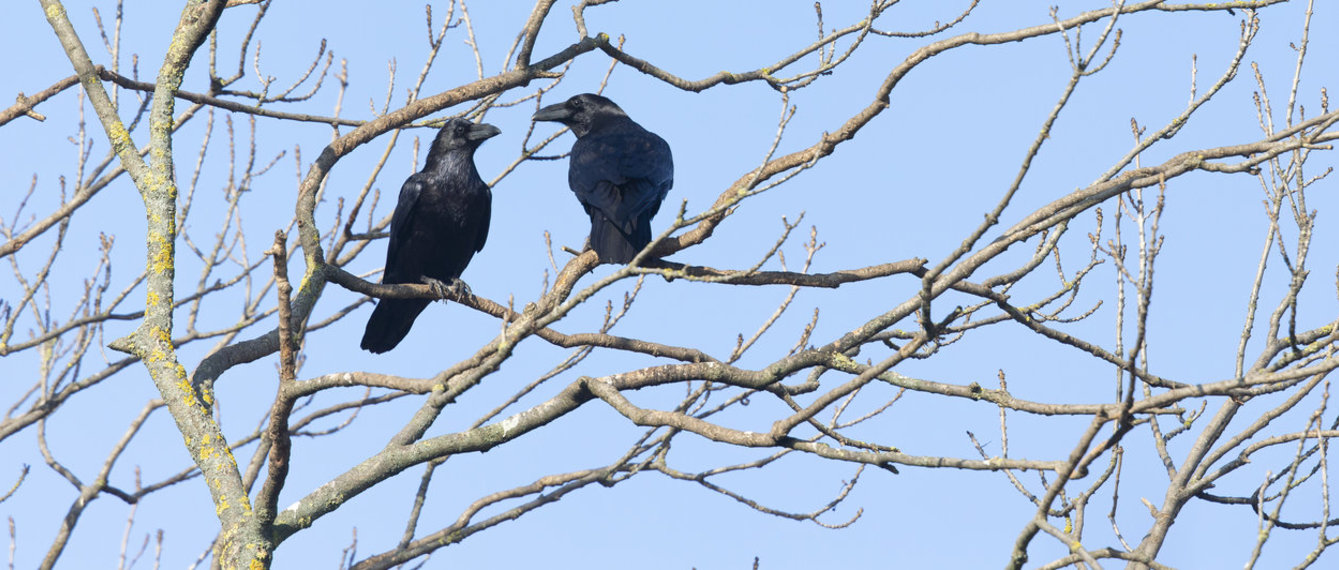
(401, 222)
(485, 215)
(623, 204)
(648, 156)
(623, 176)
(649, 163)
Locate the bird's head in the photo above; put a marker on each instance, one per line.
(581, 113)
(461, 134)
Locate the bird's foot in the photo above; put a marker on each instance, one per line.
(446, 290)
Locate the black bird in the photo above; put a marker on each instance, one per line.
(619, 171)
(438, 225)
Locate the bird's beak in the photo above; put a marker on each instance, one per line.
(483, 131)
(556, 112)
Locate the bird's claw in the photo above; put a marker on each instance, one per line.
(456, 288)
(438, 288)
(461, 289)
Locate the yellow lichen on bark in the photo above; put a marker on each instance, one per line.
(118, 136)
(188, 393)
(55, 11)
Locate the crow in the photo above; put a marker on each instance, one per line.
(619, 171)
(438, 225)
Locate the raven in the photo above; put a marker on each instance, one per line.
(438, 225)
(619, 171)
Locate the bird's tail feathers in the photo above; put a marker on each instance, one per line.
(615, 246)
(390, 322)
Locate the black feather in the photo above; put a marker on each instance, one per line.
(440, 222)
(619, 171)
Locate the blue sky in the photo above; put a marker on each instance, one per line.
(911, 184)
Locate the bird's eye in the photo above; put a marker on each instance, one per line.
(576, 104)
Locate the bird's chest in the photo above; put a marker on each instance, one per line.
(452, 208)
